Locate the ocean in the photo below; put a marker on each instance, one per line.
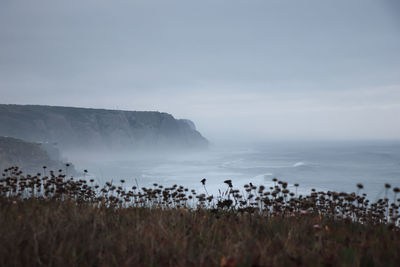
(335, 166)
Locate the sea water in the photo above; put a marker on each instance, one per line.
(337, 166)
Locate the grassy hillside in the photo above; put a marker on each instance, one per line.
(55, 221)
(29, 156)
(62, 233)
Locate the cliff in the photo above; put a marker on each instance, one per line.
(98, 128)
(30, 157)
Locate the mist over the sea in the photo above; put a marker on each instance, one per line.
(336, 166)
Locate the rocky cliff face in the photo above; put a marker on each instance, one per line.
(98, 128)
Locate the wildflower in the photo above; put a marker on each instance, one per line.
(228, 182)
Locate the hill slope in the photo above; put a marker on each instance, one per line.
(98, 128)
(28, 156)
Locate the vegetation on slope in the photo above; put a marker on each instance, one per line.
(99, 129)
(55, 220)
(29, 156)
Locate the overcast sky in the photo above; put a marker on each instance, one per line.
(271, 69)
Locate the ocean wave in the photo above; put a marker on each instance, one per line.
(299, 164)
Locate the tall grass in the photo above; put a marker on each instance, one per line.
(55, 221)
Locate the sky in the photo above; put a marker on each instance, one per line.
(241, 70)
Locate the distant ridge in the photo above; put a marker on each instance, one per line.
(89, 128)
(30, 157)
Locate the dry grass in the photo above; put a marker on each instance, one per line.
(54, 221)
